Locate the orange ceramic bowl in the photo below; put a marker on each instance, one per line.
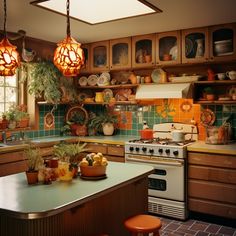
(93, 170)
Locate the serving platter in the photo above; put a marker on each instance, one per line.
(207, 117)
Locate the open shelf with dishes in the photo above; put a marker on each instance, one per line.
(215, 92)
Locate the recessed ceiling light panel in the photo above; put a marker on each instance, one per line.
(100, 11)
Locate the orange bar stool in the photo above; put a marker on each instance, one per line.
(143, 224)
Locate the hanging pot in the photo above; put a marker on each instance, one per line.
(146, 133)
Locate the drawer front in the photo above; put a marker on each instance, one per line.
(115, 158)
(46, 151)
(212, 191)
(11, 157)
(213, 208)
(116, 151)
(214, 160)
(212, 174)
(97, 148)
(13, 168)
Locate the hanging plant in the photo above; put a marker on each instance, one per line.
(45, 81)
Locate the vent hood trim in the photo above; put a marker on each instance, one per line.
(168, 90)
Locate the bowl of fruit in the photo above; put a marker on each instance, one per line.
(93, 165)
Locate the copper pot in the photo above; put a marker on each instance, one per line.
(146, 133)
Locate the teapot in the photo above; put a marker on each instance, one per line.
(231, 74)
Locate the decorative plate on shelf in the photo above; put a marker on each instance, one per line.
(77, 111)
(207, 117)
(83, 81)
(103, 80)
(107, 93)
(92, 80)
(156, 75)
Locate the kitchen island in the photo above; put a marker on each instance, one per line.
(80, 207)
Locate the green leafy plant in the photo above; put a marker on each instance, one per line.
(34, 158)
(96, 122)
(45, 81)
(16, 113)
(69, 151)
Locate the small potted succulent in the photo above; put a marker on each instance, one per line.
(34, 163)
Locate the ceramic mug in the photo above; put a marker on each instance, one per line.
(28, 54)
(231, 74)
(221, 76)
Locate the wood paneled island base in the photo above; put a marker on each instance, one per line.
(92, 207)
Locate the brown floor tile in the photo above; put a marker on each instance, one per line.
(198, 226)
(227, 230)
(201, 233)
(213, 228)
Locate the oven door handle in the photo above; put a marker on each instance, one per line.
(160, 162)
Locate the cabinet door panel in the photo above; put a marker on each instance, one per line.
(215, 208)
(212, 174)
(115, 158)
(12, 168)
(212, 191)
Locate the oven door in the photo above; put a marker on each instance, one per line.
(168, 179)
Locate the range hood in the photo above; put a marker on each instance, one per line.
(168, 90)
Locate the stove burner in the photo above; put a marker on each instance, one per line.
(160, 141)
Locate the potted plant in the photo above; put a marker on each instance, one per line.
(34, 162)
(209, 93)
(11, 116)
(45, 81)
(22, 116)
(104, 122)
(69, 156)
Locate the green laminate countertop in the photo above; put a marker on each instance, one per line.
(201, 146)
(50, 141)
(20, 200)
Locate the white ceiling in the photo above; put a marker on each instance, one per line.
(177, 14)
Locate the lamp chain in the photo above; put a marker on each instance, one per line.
(5, 18)
(68, 17)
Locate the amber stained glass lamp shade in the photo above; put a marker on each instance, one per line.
(69, 56)
(9, 57)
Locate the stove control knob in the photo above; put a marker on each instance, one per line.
(160, 150)
(131, 148)
(167, 151)
(176, 153)
(151, 151)
(144, 149)
(137, 149)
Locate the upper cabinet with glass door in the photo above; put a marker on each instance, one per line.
(143, 51)
(100, 56)
(195, 45)
(120, 53)
(168, 48)
(87, 60)
(223, 42)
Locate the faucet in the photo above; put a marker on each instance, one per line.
(22, 135)
(4, 137)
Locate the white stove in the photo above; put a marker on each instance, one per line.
(167, 185)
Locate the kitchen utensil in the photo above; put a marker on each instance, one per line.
(178, 135)
(223, 47)
(231, 74)
(146, 133)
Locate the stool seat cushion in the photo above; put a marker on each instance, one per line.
(143, 224)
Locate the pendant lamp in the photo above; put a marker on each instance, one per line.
(9, 57)
(69, 56)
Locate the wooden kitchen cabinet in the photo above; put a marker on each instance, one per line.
(110, 151)
(222, 42)
(143, 51)
(120, 53)
(12, 163)
(87, 58)
(212, 184)
(100, 56)
(220, 89)
(168, 48)
(195, 45)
